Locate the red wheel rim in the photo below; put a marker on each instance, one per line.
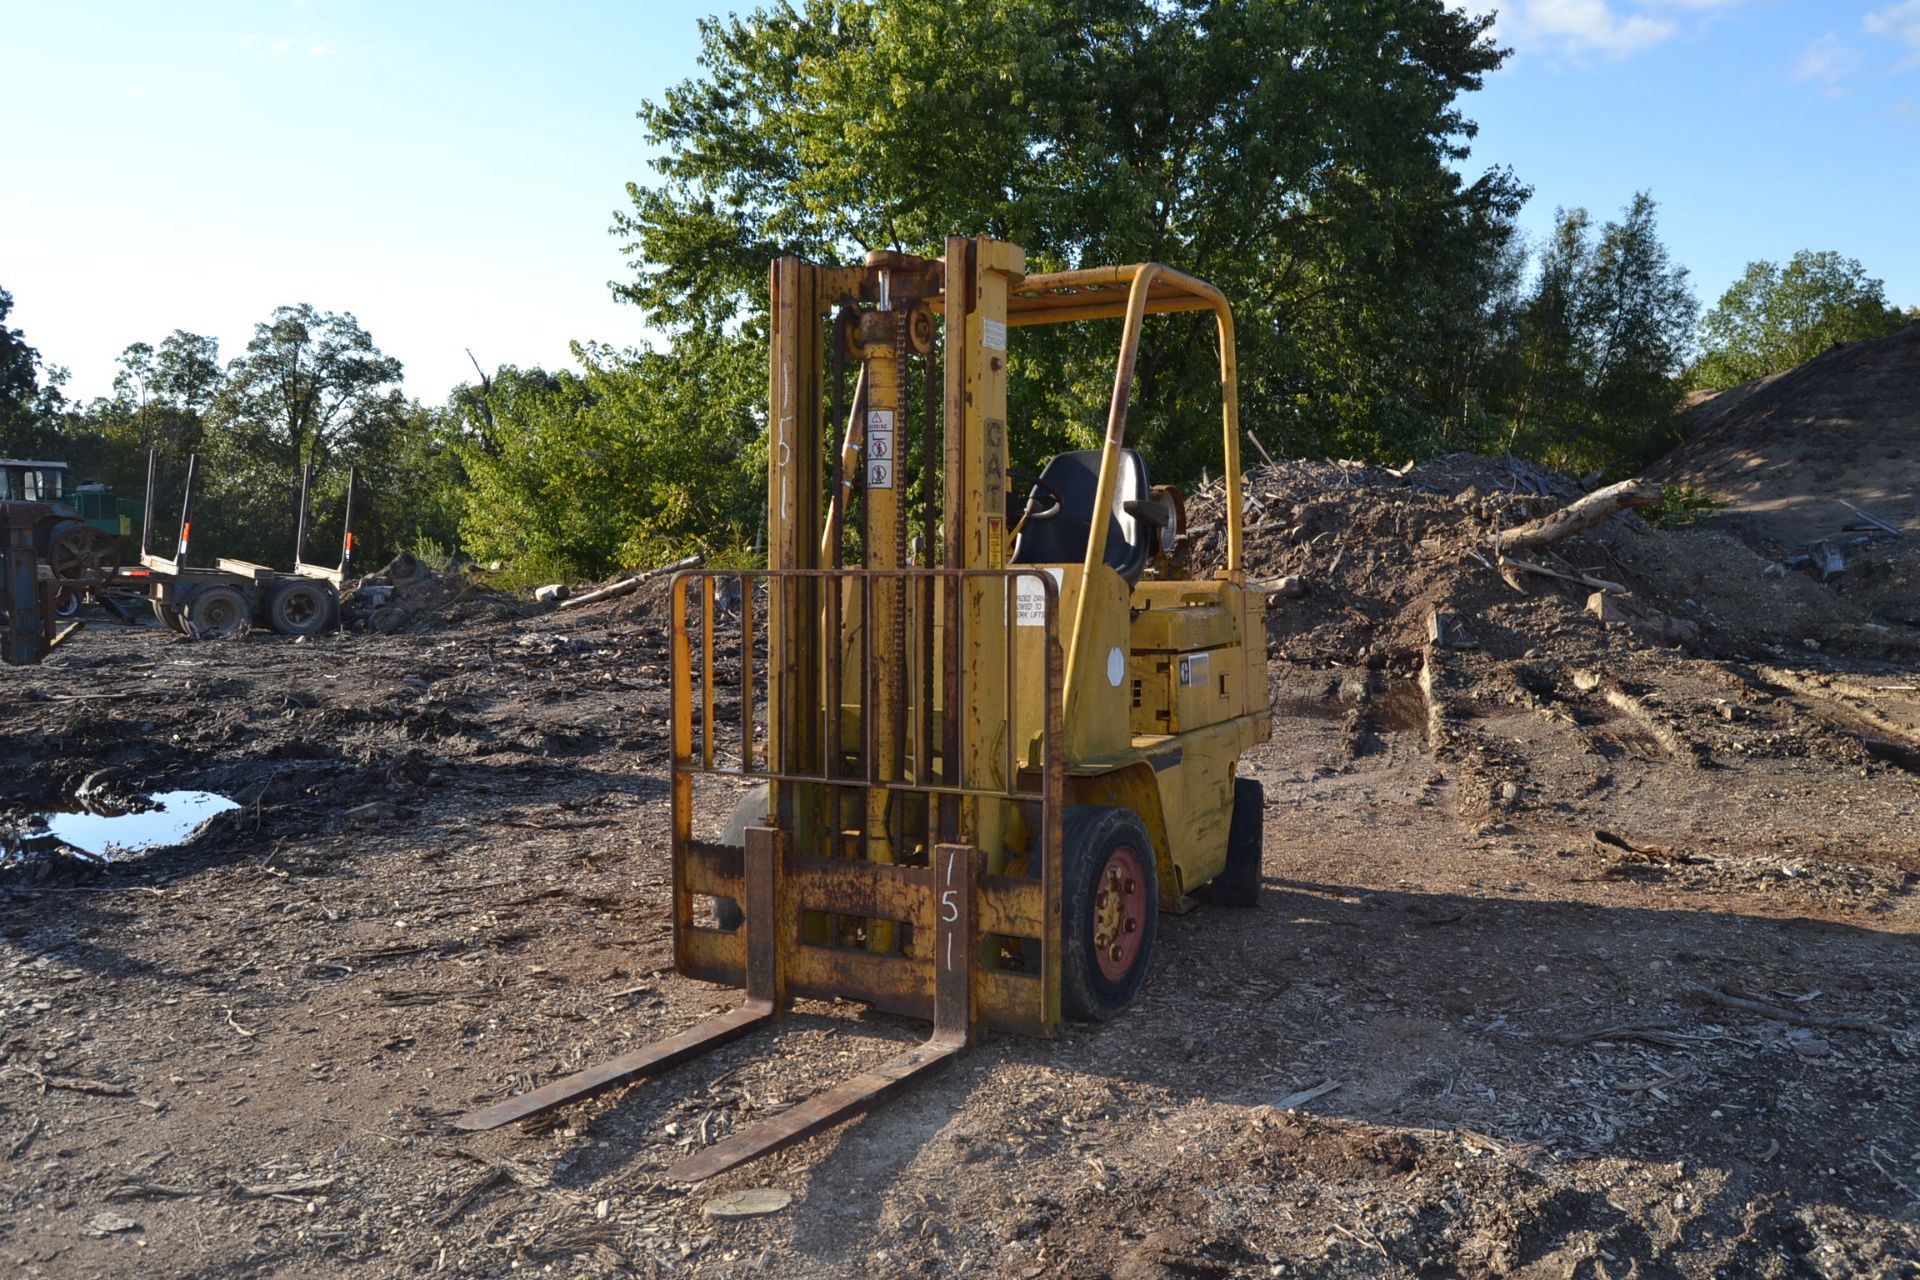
(1119, 913)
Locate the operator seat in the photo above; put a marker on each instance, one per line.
(1131, 527)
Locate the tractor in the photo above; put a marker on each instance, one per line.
(81, 534)
(984, 727)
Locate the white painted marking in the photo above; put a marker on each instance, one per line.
(1116, 666)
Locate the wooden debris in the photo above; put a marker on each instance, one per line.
(72, 1084)
(1743, 1004)
(288, 1187)
(25, 1140)
(1607, 609)
(1827, 560)
(1292, 587)
(1610, 844)
(1447, 631)
(1900, 753)
(480, 1186)
(1871, 519)
(1657, 727)
(1581, 514)
(406, 997)
(149, 1191)
(1654, 1084)
(1595, 584)
(752, 1202)
(1305, 1096)
(629, 585)
(1665, 1037)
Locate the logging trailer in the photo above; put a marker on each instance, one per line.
(218, 601)
(974, 774)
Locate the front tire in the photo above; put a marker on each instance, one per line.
(1110, 898)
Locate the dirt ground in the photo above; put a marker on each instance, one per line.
(1462, 1035)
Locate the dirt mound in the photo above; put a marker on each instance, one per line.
(1379, 552)
(408, 595)
(1790, 451)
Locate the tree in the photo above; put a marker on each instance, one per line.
(640, 458)
(311, 388)
(147, 410)
(1775, 318)
(1602, 336)
(29, 407)
(1304, 157)
(186, 370)
(308, 383)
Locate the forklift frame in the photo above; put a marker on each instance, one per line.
(911, 854)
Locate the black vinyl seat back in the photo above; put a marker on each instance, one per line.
(1063, 539)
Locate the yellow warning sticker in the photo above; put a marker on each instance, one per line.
(996, 549)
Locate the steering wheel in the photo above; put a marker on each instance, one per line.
(1036, 485)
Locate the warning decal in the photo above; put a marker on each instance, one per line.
(880, 459)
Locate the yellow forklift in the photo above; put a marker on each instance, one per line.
(989, 724)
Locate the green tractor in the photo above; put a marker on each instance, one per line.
(85, 532)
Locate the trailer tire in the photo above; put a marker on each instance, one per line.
(751, 811)
(300, 608)
(217, 611)
(1110, 900)
(1238, 884)
(66, 602)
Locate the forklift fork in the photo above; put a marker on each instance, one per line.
(954, 873)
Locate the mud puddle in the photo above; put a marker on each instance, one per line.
(172, 819)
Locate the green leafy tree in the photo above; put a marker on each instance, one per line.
(153, 407)
(187, 372)
(311, 387)
(1602, 336)
(29, 404)
(310, 382)
(638, 459)
(1304, 157)
(1774, 318)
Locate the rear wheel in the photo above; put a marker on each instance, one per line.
(751, 811)
(1238, 885)
(299, 609)
(168, 616)
(1110, 898)
(76, 550)
(217, 611)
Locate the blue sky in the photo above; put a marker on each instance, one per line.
(448, 172)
